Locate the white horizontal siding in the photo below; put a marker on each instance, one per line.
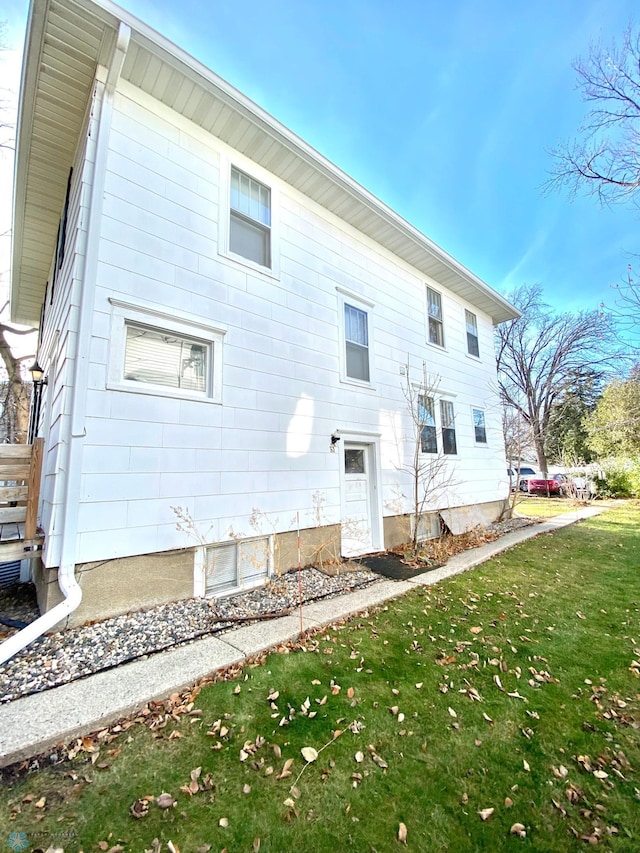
(267, 446)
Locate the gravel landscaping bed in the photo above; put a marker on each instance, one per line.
(64, 656)
(58, 658)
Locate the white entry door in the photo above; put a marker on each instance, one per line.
(359, 522)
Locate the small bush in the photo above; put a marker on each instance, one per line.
(621, 479)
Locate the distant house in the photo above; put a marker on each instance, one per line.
(226, 320)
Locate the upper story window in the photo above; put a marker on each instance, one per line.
(471, 321)
(434, 312)
(427, 419)
(447, 420)
(479, 426)
(250, 219)
(356, 333)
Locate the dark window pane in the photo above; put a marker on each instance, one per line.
(435, 332)
(448, 427)
(354, 461)
(449, 441)
(472, 345)
(479, 426)
(428, 440)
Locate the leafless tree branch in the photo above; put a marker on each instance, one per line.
(605, 160)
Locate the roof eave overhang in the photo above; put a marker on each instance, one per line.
(289, 156)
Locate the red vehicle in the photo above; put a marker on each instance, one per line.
(540, 486)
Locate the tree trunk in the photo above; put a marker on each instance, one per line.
(16, 402)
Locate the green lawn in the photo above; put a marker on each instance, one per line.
(541, 506)
(511, 688)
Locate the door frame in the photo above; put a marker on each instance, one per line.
(371, 443)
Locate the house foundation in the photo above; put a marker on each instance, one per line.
(118, 586)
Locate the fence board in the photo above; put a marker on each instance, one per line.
(31, 521)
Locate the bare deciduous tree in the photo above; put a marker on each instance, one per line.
(540, 351)
(427, 464)
(14, 395)
(15, 399)
(604, 160)
(626, 309)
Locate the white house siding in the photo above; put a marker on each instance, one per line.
(267, 445)
(58, 341)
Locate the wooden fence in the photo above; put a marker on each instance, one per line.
(20, 470)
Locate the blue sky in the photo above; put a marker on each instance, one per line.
(445, 111)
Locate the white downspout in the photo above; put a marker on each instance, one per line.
(87, 278)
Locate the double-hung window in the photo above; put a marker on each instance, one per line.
(356, 334)
(447, 420)
(434, 312)
(479, 426)
(427, 421)
(250, 219)
(471, 322)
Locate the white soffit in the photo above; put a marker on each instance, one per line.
(67, 39)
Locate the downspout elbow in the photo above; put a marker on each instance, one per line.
(73, 596)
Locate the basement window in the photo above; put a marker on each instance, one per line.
(230, 566)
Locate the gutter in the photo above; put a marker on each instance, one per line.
(78, 405)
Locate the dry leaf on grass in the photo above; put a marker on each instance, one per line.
(309, 754)
(139, 809)
(485, 814)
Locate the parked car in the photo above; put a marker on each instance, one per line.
(541, 486)
(524, 472)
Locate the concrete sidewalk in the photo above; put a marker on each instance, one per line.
(34, 724)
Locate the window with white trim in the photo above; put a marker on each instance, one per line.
(479, 426)
(434, 318)
(228, 566)
(356, 334)
(427, 421)
(156, 353)
(250, 219)
(471, 322)
(447, 421)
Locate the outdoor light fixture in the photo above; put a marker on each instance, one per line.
(37, 374)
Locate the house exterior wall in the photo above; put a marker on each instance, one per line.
(59, 341)
(266, 444)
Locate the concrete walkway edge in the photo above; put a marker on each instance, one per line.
(34, 724)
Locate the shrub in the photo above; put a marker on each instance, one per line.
(620, 479)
